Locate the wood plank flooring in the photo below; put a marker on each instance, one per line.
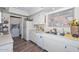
(20, 45)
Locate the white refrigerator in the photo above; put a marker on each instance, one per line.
(27, 27)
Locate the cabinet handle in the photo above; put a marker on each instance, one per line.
(40, 36)
(65, 46)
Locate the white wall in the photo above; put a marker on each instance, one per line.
(76, 12)
(15, 20)
(38, 18)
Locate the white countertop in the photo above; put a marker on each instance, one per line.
(5, 39)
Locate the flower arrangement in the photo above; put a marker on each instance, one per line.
(74, 22)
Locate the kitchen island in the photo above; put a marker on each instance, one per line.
(6, 43)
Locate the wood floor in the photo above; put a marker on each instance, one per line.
(20, 45)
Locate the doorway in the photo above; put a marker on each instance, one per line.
(15, 26)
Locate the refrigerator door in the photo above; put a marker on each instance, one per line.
(28, 28)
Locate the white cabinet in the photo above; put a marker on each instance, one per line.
(6, 48)
(37, 38)
(6, 43)
(60, 44)
(50, 44)
(53, 45)
(40, 40)
(33, 36)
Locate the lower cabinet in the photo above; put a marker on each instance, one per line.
(32, 36)
(50, 45)
(54, 44)
(6, 48)
(40, 40)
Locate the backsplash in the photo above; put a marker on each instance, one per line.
(39, 27)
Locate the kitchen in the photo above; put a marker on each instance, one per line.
(39, 29)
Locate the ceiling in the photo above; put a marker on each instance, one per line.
(32, 10)
(28, 9)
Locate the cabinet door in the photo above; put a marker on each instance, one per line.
(53, 45)
(6, 48)
(33, 36)
(39, 39)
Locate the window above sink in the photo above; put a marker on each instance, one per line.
(60, 20)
